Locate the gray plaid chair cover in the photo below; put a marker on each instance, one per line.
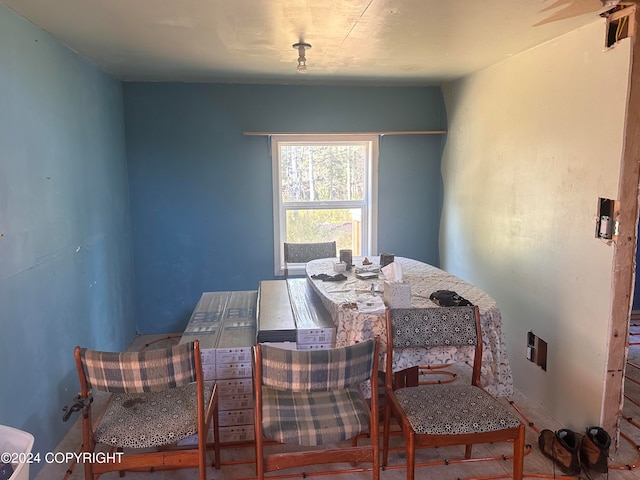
(154, 399)
(305, 252)
(312, 397)
(435, 409)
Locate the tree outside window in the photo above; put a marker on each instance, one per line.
(324, 190)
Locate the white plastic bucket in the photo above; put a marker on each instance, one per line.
(18, 445)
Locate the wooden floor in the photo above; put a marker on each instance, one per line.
(237, 461)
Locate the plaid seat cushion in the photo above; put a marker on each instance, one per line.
(317, 370)
(142, 420)
(146, 371)
(313, 419)
(453, 409)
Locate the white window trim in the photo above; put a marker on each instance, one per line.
(369, 231)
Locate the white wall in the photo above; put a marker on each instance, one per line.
(533, 142)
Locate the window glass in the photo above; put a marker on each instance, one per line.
(324, 189)
(312, 173)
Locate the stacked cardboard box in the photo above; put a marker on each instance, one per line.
(233, 368)
(225, 324)
(291, 313)
(275, 318)
(205, 325)
(314, 325)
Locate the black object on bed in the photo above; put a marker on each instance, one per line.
(448, 298)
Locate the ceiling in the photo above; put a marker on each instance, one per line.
(381, 42)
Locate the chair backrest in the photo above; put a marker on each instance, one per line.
(305, 252)
(423, 328)
(317, 370)
(137, 372)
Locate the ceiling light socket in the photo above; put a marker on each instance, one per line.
(301, 47)
(302, 59)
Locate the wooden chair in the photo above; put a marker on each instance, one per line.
(446, 414)
(305, 252)
(158, 398)
(312, 398)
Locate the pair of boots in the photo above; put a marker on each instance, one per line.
(569, 450)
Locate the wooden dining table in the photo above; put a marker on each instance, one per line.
(342, 297)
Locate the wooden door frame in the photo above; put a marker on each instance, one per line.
(624, 257)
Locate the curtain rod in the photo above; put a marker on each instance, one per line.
(401, 132)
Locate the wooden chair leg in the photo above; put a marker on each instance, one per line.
(467, 450)
(120, 472)
(88, 444)
(518, 454)
(376, 460)
(259, 460)
(385, 434)
(411, 457)
(216, 437)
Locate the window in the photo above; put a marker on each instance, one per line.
(324, 189)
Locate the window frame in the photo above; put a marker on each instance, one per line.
(370, 202)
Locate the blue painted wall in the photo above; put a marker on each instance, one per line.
(66, 268)
(199, 217)
(201, 196)
(411, 195)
